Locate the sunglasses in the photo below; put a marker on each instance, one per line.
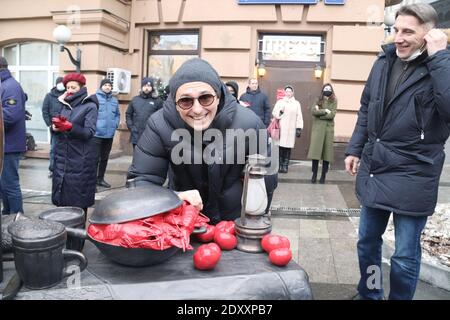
(187, 102)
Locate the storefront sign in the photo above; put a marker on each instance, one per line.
(331, 2)
(277, 1)
(291, 48)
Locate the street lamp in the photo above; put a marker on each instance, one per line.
(389, 20)
(318, 71)
(62, 35)
(261, 68)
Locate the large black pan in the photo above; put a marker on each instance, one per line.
(134, 257)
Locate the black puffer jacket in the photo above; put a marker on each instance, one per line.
(258, 103)
(220, 185)
(401, 146)
(51, 106)
(139, 110)
(75, 170)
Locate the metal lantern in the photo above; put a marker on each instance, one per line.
(253, 223)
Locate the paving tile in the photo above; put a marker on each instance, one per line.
(299, 195)
(345, 260)
(341, 229)
(313, 229)
(315, 256)
(286, 223)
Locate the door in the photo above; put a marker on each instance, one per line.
(306, 90)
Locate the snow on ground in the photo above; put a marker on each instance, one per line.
(435, 236)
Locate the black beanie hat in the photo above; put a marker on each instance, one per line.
(195, 70)
(3, 62)
(105, 81)
(146, 80)
(59, 80)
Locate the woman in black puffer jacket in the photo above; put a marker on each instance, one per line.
(74, 174)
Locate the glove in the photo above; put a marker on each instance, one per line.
(61, 123)
(65, 126)
(298, 132)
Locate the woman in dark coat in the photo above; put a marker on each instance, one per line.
(74, 175)
(197, 115)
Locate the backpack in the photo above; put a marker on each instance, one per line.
(31, 144)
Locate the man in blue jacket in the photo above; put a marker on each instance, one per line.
(13, 100)
(257, 101)
(397, 148)
(107, 122)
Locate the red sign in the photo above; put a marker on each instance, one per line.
(280, 94)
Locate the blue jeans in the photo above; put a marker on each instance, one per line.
(9, 184)
(405, 262)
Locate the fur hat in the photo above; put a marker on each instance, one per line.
(78, 77)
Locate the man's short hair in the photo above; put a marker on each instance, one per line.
(424, 12)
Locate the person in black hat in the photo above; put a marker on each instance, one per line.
(141, 108)
(233, 88)
(107, 122)
(51, 107)
(184, 140)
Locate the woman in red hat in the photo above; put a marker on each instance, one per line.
(74, 175)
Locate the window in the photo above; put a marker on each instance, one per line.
(167, 52)
(35, 65)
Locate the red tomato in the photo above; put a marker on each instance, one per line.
(225, 240)
(227, 226)
(273, 241)
(207, 256)
(280, 257)
(208, 236)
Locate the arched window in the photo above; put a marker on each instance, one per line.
(35, 65)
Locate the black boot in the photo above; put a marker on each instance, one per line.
(315, 167)
(103, 183)
(287, 158)
(282, 167)
(325, 166)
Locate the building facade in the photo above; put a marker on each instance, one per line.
(153, 37)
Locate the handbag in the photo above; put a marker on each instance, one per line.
(274, 129)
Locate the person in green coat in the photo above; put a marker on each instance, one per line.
(322, 133)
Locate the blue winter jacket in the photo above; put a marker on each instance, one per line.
(401, 144)
(108, 115)
(13, 101)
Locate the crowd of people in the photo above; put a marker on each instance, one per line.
(396, 149)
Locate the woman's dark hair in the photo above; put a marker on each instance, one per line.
(331, 98)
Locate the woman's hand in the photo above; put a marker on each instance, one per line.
(54, 128)
(193, 197)
(327, 111)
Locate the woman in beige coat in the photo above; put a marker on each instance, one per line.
(289, 112)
